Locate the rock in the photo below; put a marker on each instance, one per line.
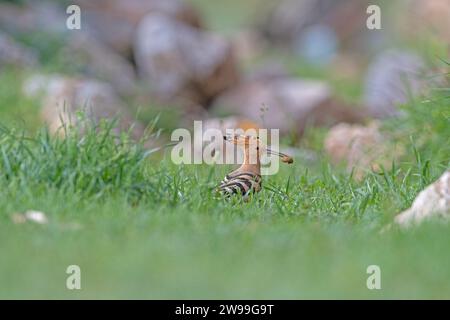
(270, 70)
(36, 216)
(15, 54)
(288, 17)
(97, 61)
(279, 104)
(63, 97)
(80, 52)
(248, 45)
(434, 17)
(114, 21)
(318, 27)
(181, 62)
(361, 148)
(433, 201)
(32, 16)
(31, 215)
(286, 104)
(391, 78)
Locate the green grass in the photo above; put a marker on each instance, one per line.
(141, 227)
(233, 15)
(15, 109)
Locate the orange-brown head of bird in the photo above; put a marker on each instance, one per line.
(253, 148)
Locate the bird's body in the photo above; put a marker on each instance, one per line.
(242, 183)
(247, 178)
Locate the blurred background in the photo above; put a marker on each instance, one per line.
(374, 101)
(290, 65)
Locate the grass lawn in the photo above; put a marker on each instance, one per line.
(141, 227)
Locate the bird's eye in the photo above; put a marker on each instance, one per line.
(257, 148)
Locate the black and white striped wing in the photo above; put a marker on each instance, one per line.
(241, 183)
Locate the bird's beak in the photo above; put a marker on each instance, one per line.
(284, 157)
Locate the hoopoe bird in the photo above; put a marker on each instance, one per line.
(247, 178)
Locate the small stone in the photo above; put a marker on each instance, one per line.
(36, 216)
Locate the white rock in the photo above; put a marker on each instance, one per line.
(433, 201)
(36, 216)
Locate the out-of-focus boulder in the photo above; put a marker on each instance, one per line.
(361, 148)
(391, 78)
(63, 97)
(79, 51)
(32, 16)
(181, 62)
(248, 45)
(95, 60)
(270, 70)
(15, 54)
(434, 17)
(114, 21)
(433, 201)
(317, 28)
(286, 104)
